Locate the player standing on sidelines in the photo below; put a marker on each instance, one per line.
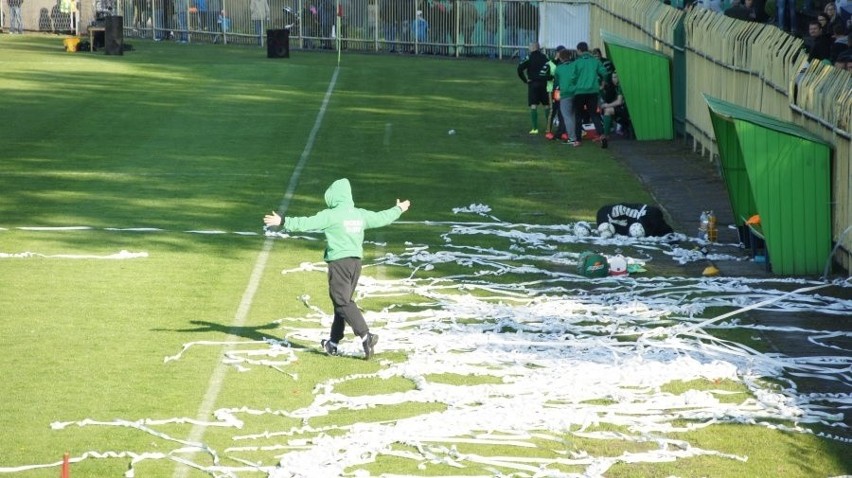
(343, 225)
(535, 72)
(587, 75)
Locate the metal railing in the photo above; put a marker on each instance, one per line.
(493, 28)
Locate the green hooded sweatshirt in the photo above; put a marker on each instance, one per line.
(586, 74)
(343, 223)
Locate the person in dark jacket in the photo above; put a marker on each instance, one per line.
(817, 45)
(747, 10)
(16, 24)
(535, 72)
(587, 75)
(343, 225)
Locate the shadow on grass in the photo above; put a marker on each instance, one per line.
(254, 333)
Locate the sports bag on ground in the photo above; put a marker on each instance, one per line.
(592, 264)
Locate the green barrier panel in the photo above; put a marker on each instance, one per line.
(645, 78)
(789, 176)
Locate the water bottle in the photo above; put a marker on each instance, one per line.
(712, 230)
(703, 223)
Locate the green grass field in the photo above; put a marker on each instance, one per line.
(173, 153)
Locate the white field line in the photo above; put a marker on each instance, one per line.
(217, 377)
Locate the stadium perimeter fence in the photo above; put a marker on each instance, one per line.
(492, 28)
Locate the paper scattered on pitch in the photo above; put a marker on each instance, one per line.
(550, 360)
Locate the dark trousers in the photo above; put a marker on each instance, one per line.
(587, 105)
(343, 277)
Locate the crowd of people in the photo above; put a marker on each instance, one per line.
(824, 25)
(574, 88)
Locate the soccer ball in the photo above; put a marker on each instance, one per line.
(582, 229)
(637, 230)
(606, 230)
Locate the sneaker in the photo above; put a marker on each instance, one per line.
(604, 142)
(329, 347)
(571, 142)
(533, 131)
(549, 135)
(369, 342)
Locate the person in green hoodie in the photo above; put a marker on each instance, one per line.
(343, 225)
(587, 76)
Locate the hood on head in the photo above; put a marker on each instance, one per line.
(339, 193)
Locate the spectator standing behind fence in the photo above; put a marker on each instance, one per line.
(833, 17)
(326, 15)
(844, 61)
(587, 74)
(259, 12)
(160, 32)
(491, 24)
(817, 45)
(713, 5)
(535, 72)
(528, 22)
(511, 30)
(839, 44)
(223, 21)
(748, 11)
(140, 15)
(371, 19)
(403, 13)
(388, 29)
(420, 27)
(310, 23)
(467, 18)
(823, 21)
(182, 8)
(203, 14)
(16, 22)
(785, 15)
(438, 16)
